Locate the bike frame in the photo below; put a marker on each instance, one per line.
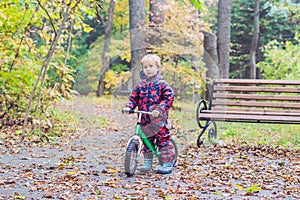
(141, 136)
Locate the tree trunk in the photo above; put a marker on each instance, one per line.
(156, 13)
(210, 58)
(223, 41)
(137, 24)
(254, 42)
(156, 18)
(105, 64)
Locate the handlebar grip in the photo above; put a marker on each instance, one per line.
(128, 111)
(136, 111)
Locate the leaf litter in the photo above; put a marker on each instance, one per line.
(90, 166)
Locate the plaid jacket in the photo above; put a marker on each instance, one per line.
(149, 95)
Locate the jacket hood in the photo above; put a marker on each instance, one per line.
(155, 78)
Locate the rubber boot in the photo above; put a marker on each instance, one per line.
(147, 165)
(166, 168)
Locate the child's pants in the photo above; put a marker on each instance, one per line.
(163, 141)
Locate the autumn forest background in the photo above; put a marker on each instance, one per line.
(68, 66)
(51, 51)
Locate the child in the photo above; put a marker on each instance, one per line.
(153, 94)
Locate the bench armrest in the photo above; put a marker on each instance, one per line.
(202, 105)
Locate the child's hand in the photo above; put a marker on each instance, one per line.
(126, 110)
(155, 113)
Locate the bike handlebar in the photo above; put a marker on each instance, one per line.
(137, 111)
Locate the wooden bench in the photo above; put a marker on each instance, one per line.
(249, 100)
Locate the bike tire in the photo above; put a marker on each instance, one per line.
(160, 159)
(131, 158)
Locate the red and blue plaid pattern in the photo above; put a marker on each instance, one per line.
(154, 94)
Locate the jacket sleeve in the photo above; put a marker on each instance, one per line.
(167, 98)
(133, 98)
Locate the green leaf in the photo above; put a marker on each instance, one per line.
(240, 187)
(253, 188)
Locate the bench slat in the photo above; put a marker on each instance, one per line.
(261, 110)
(256, 118)
(269, 112)
(258, 81)
(257, 104)
(256, 97)
(257, 89)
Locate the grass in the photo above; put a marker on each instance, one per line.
(281, 135)
(69, 121)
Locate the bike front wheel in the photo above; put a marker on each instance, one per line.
(131, 158)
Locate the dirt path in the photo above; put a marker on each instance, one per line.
(89, 165)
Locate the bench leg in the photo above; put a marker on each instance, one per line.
(199, 141)
(212, 132)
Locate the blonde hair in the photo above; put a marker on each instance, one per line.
(151, 58)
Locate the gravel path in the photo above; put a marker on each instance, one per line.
(89, 165)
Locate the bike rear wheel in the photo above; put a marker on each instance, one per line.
(160, 159)
(131, 158)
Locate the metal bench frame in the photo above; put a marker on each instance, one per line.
(251, 101)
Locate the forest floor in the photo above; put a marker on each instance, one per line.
(89, 165)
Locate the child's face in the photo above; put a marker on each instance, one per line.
(150, 69)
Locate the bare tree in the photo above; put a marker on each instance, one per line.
(210, 58)
(137, 35)
(105, 63)
(254, 42)
(223, 35)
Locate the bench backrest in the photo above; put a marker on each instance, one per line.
(276, 96)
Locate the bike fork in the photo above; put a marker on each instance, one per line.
(138, 140)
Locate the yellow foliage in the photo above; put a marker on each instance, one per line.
(121, 15)
(121, 48)
(112, 79)
(181, 34)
